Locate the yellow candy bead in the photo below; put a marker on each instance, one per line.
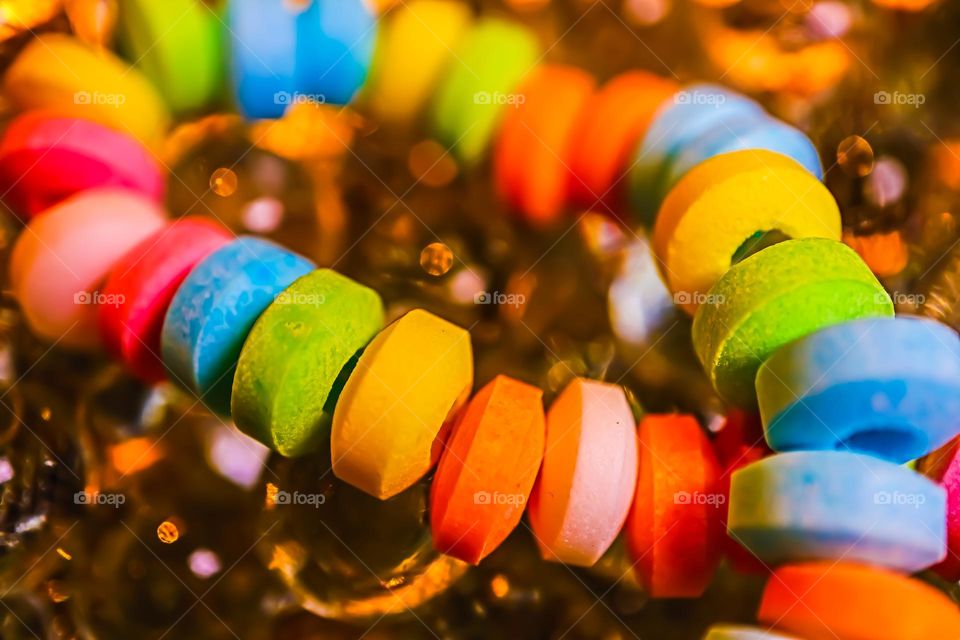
(723, 202)
(408, 384)
(58, 73)
(415, 45)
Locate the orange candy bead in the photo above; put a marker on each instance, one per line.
(487, 470)
(531, 158)
(611, 125)
(845, 601)
(674, 530)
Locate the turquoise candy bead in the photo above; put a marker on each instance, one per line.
(215, 308)
(836, 505)
(885, 386)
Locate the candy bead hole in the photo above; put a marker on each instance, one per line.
(758, 241)
(891, 443)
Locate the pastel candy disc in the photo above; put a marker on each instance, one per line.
(885, 386)
(409, 383)
(832, 505)
(288, 370)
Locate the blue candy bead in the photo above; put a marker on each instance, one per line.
(335, 41)
(832, 505)
(263, 44)
(281, 54)
(216, 306)
(885, 386)
(740, 632)
(691, 114)
(749, 132)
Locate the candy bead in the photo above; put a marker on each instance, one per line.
(288, 370)
(776, 296)
(45, 159)
(673, 530)
(828, 505)
(722, 203)
(532, 154)
(61, 74)
(739, 632)
(178, 45)
(751, 132)
(589, 471)
(64, 254)
(885, 386)
(394, 411)
(415, 47)
(846, 601)
(214, 309)
(143, 284)
(609, 128)
(681, 120)
(487, 470)
(263, 56)
(943, 467)
(488, 66)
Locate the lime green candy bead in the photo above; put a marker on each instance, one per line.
(178, 44)
(488, 66)
(776, 296)
(291, 361)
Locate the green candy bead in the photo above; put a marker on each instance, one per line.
(487, 68)
(776, 296)
(178, 44)
(288, 374)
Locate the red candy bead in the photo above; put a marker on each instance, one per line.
(943, 466)
(45, 158)
(674, 529)
(140, 287)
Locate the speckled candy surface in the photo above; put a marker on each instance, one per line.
(178, 45)
(773, 297)
(46, 158)
(889, 387)
(295, 353)
(722, 203)
(488, 66)
(391, 418)
(214, 309)
(832, 505)
(143, 283)
(674, 530)
(59, 73)
(846, 601)
(62, 257)
(487, 470)
(589, 472)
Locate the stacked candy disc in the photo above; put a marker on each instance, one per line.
(787, 320)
